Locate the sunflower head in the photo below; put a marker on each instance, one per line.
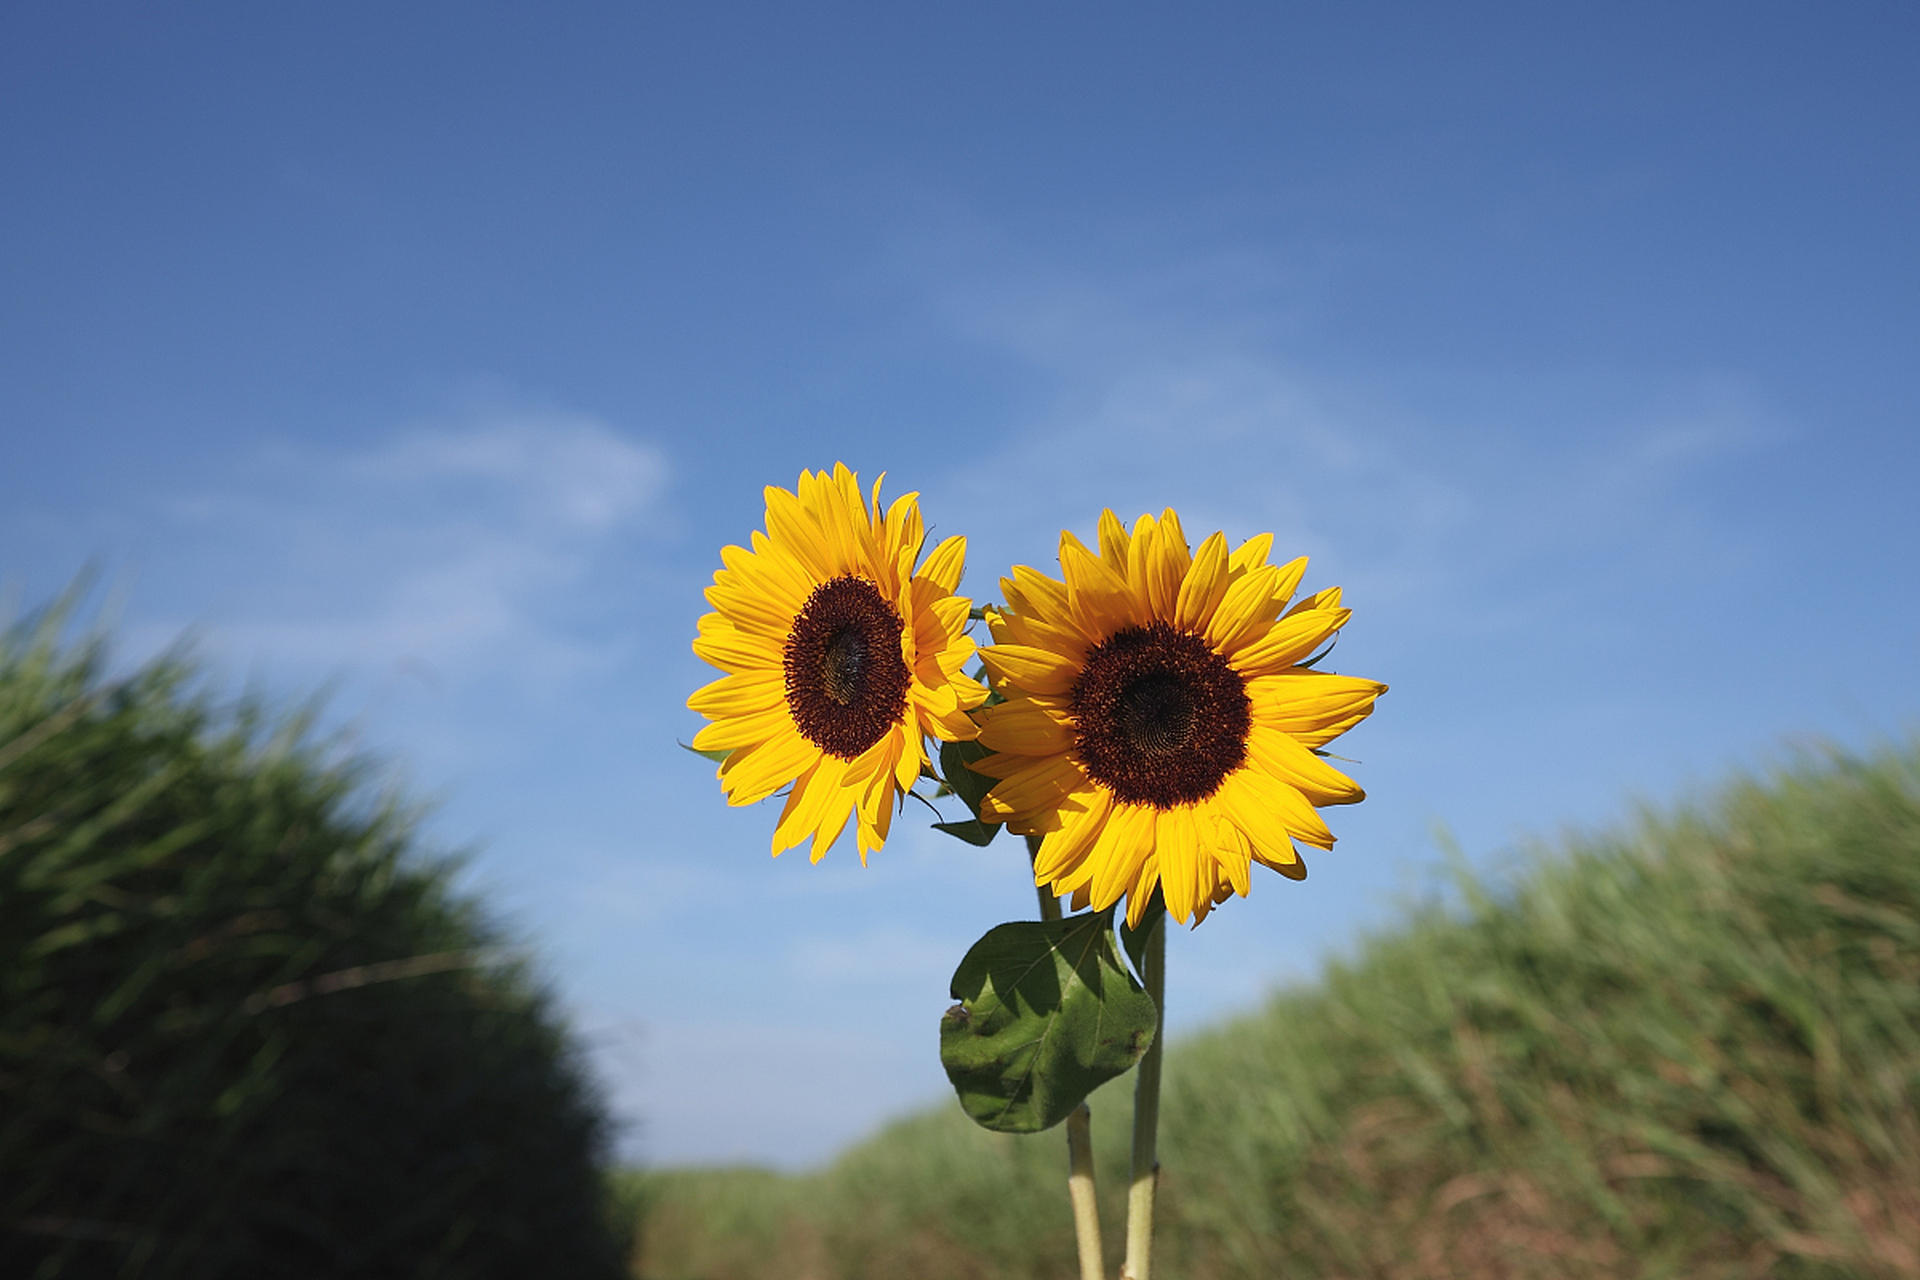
(1159, 730)
(841, 657)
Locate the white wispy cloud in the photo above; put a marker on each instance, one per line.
(1416, 487)
(553, 471)
(449, 550)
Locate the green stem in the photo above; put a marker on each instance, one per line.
(1146, 1117)
(1080, 1188)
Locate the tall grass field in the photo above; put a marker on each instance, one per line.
(248, 1028)
(1689, 1047)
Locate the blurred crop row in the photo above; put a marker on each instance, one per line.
(1690, 1048)
(245, 1027)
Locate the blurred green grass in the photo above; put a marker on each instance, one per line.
(248, 1027)
(1686, 1047)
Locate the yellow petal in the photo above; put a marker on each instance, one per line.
(841, 513)
(1031, 669)
(1124, 846)
(1177, 843)
(946, 564)
(1113, 542)
(1141, 897)
(937, 618)
(751, 774)
(812, 795)
(735, 732)
(904, 519)
(750, 610)
(791, 526)
(1204, 587)
(931, 693)
(771, 572)
(873, 816)
(1042, 787)
(740, 695)
(875, 762)
(832, 823)
(1293, 764)
(1289, 640)
(906, 768)
(1024, 728)
(1328, 599)
(1167, 562)
(956, 726)
(1145, 882)
(1287, 862)
(1312, 707)
(1268, 811)
(737, 651)
(1079, 834)
(1062, 635)
(1233, 854)
(1290, 574)
(1098, 597)
(1251, 554)
(1031, 592)
(1249, 603)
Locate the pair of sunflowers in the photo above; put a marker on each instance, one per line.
(1156, 725)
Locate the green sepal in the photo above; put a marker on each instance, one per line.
(1135, 940)
(971, 787)
(1319, 657)
(973, 831)
(718, 757)
(1047, 1013)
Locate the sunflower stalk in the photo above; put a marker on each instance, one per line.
(1146, 1117)
(1080, 1184)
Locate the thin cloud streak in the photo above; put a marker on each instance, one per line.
(445, 550)
(1420, 491)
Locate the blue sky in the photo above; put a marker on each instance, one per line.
(433, 351)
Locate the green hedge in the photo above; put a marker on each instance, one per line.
(245, 1029)
(1686, 1048)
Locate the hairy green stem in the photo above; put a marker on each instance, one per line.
(1080, 1188)
(1146, 1117)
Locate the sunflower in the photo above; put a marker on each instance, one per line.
(1159, 728)
(840, 659)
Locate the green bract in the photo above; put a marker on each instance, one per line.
(970, 787)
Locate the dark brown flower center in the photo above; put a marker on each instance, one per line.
(1159, 717)
(846, 682)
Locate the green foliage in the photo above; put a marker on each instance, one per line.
(971, 787)
(1691, 1048)
(1048, 1013)
(244, 1030)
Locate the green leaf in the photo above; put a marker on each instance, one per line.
(973, 831)
(971, 787)
(1047, 1014)
(1135, 940)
